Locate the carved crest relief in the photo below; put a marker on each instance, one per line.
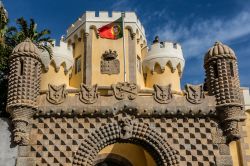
(163, 94)
(125, 122)
(89, 94)
(109, 63)
(56, 94)
(195, 93)
(125, 90)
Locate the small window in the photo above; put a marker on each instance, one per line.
(78, 65)
(21, 68)
(138, 64)
(36, 70)
(215, 67)
(231, 69)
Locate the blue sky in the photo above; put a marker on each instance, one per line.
(195, 24)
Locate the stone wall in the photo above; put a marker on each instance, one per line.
(8, 151)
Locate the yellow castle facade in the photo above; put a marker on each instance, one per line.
(91, 104)
(81, 54)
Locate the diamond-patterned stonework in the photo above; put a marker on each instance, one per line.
(55, 140)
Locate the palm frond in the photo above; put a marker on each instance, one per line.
(32, 28)
(23, 25)
(46, 48)
(42, 33)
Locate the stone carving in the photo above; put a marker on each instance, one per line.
(109, 63)
(125, 122)
(141, 134)
(223, 82)
(195, 93)
(23, 89)
(163, 94)
(125, 90)
(89, 94)
(20, 133)
(56, 94)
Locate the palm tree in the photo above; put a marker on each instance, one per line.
(25, 30)
(12, 37)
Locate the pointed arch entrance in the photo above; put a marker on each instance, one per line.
(126, 132)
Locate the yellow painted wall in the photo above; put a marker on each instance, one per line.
(99, 46)
(53, 77)
(247, 130)
(77, 78)
(163, 78)
(135, 154)
(139, 52)
(235, 153)
(235, 148)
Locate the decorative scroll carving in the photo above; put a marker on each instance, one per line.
(56, 94)
(195, 93)
(109, 63)
(163, 94)
(89, 94)
(125, 90)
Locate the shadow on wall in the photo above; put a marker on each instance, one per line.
(8, 150)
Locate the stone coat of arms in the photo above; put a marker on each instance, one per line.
(125, 90)
(195, 93)
(163, 94)
(109, 63)
(89, 94)
(56, 94)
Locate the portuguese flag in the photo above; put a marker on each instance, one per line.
(113, 30)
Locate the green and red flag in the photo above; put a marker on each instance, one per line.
(113, 30)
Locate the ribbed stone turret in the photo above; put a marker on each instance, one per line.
(24, 83)
(223, 82)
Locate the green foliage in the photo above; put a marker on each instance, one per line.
(5, 51)
(26, 30)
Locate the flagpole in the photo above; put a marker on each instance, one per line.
(124, 51)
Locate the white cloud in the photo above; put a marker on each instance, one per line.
(201, 34)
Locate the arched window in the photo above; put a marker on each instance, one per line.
(231, 66)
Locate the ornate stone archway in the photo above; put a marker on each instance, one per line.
(126, 132)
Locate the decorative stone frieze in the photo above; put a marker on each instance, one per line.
(109, 63)
(195, 93)
(163, 94)
(89, 94)
(56, 94)
(125, 90)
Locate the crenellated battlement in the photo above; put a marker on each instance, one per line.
(163, 53)
(98, 19)
(62, 54)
